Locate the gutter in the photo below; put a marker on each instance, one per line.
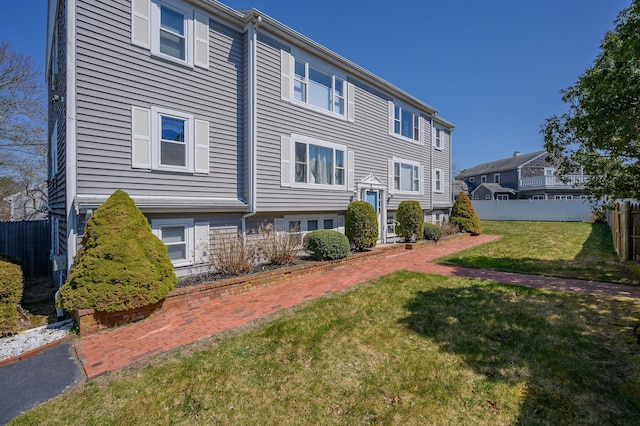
(252, 106)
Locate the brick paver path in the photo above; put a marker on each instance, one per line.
(119, 347)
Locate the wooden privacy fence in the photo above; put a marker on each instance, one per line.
(624, 221)
(29, 242)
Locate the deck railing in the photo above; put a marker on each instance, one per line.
(565, 181)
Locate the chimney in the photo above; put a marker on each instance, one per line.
(516, 153)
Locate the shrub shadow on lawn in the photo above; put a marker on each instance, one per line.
(575, 354)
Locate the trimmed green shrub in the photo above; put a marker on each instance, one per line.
(464, 215)
(325, 244)
(121, 264)
(11, 286)
(432, 232)
(410, 220)
(361, 225)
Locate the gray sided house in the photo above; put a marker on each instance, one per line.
(216, 120)
(522, 176)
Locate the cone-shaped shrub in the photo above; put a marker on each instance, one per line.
(464, 215)
(361, 225)
(410, 220)
(10, 296)
(121, 264)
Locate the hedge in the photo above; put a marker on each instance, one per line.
(325, 244)
(11, 287)
(361, 225)
(410, 220)
(432, 232)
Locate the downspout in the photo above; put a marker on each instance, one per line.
(431, 165)
(252, 138)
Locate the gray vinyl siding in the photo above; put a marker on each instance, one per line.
(56, 185)
(442, 161)
(113, 75)
(368, 137)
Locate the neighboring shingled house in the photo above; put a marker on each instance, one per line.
(522, 176)
(218, 120)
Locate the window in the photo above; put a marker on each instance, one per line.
(472, 179)
(438, 138)
(405, 123)
(317, 88)
(548, 171)
(502, 197)
(178, 235)
(319, 163)
(163, 139)
(496, 178)
(487, 197)
(406, 176)
(171, 30)
(564, 197)
(437, 180)
(483, 179)
(537, 197)
(476, 197)
(311, 222)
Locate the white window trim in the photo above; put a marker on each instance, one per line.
(410, 163)
(436, 130)
(538, 197)
(188, 12)
(496, 178)
(483, 179)
(502, 197)
(435, 181)
(310, 62)
(307, 140)
(304, 219)
(189, 138)
(157, 224)
(392, 105)
(563, 197)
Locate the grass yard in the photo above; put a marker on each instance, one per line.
(407, 348)
(562, 249)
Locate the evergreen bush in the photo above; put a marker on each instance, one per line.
(361, 225)
(325, 244)
(432, 232)
(121, 264)
(11, 287)
(410, 220)
(464, 215)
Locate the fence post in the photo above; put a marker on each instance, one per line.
(625, 231)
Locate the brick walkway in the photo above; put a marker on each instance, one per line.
(119, 347)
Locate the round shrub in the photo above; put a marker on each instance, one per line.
(325, 244)
(121, 264)
(432, 232)
(410, 220)
(361, 225)
(464, 215)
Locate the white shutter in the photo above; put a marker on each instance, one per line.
(421, 184)
(341, 223)
(391, 176)
(351, 170)
(285, 69)
(391, 117)
(202, 242)
(201, 56)
(202, 146)
(285, 161)
(278, 225)
(140, 138)
(141, 23)
(351, 102)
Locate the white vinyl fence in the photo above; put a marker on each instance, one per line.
(534, 210)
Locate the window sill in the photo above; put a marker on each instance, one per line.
(342, 117)
(171, 59)
(336, 188)
(397, 192)
(406, 139)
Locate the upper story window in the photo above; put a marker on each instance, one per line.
(496, 178)
(404, 122)
(437, 180)
(437, 141)
(319, 165)
(317, 88)
(164, 139)
(406, 176)
(483, 179)
(171, 30)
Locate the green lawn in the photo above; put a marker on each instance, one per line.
(408, 348)
(569, 249)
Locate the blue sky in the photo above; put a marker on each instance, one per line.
(493, 67)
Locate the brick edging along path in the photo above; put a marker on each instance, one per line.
(165, 330)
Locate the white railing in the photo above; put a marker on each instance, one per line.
(566, 181)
